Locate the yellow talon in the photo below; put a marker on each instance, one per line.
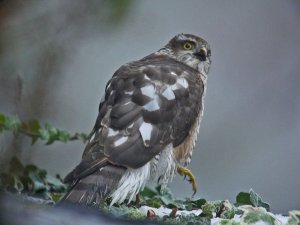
(186, 172)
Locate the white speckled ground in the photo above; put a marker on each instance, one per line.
(162, 211)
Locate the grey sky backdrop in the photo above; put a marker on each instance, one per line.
(56, 57)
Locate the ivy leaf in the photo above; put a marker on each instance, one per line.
(35, 178)
(148, 192)
(63, 136)
(225, 210)
(12, 123)
(243, 198)
(55, 184)
(257, 201)
(251, 198)
(179, 204)
(82, 136)
(208, 209)
(253, 217)
(154, 202)
(166, 195)
(34, 126)
(44, 134)
(53, 134)
(188, 205)
(228, 222)
(199, 202)
(294, 218)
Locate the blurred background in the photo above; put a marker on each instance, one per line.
(56, 57)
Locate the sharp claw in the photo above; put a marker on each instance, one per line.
(195, 190)
(187, 174)
(193, 195)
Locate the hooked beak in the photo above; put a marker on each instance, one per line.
(201, 55)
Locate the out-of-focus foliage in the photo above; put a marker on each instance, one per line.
(30, 180)
(117, 8)
(35, 131)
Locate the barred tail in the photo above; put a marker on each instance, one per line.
(93, 189)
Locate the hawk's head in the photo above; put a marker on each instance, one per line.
(191, 50)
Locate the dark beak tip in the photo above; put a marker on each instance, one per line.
(201, 55)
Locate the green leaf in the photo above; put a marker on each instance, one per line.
(208, 209)
(44, 134)
(53, 134)
(55, 196)
(225, 210)
(12, 123)
(166, 199)
(55, 184)
(257, 201)
(199, 202)
(253, 217)
(134, 214)
(154, 202)
(34, 126)
(228, 222)
(243, 198)
(188, 205)
(82, 136)
(36, 177)
(63, 136)
(148, 192)
(294, 218)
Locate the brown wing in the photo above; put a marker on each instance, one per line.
(148, 104)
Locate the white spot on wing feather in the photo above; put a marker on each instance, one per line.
(145, 131)
(183, 82)
(146, 77)
(112, 132)
(152, 106)
(175, 87)
(120, 141)
(148, 91)
(168, 94)
(128, 92)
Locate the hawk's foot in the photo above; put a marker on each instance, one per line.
(186, 172)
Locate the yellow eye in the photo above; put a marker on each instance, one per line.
(187, 46)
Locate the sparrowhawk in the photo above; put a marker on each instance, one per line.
(147, 124)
